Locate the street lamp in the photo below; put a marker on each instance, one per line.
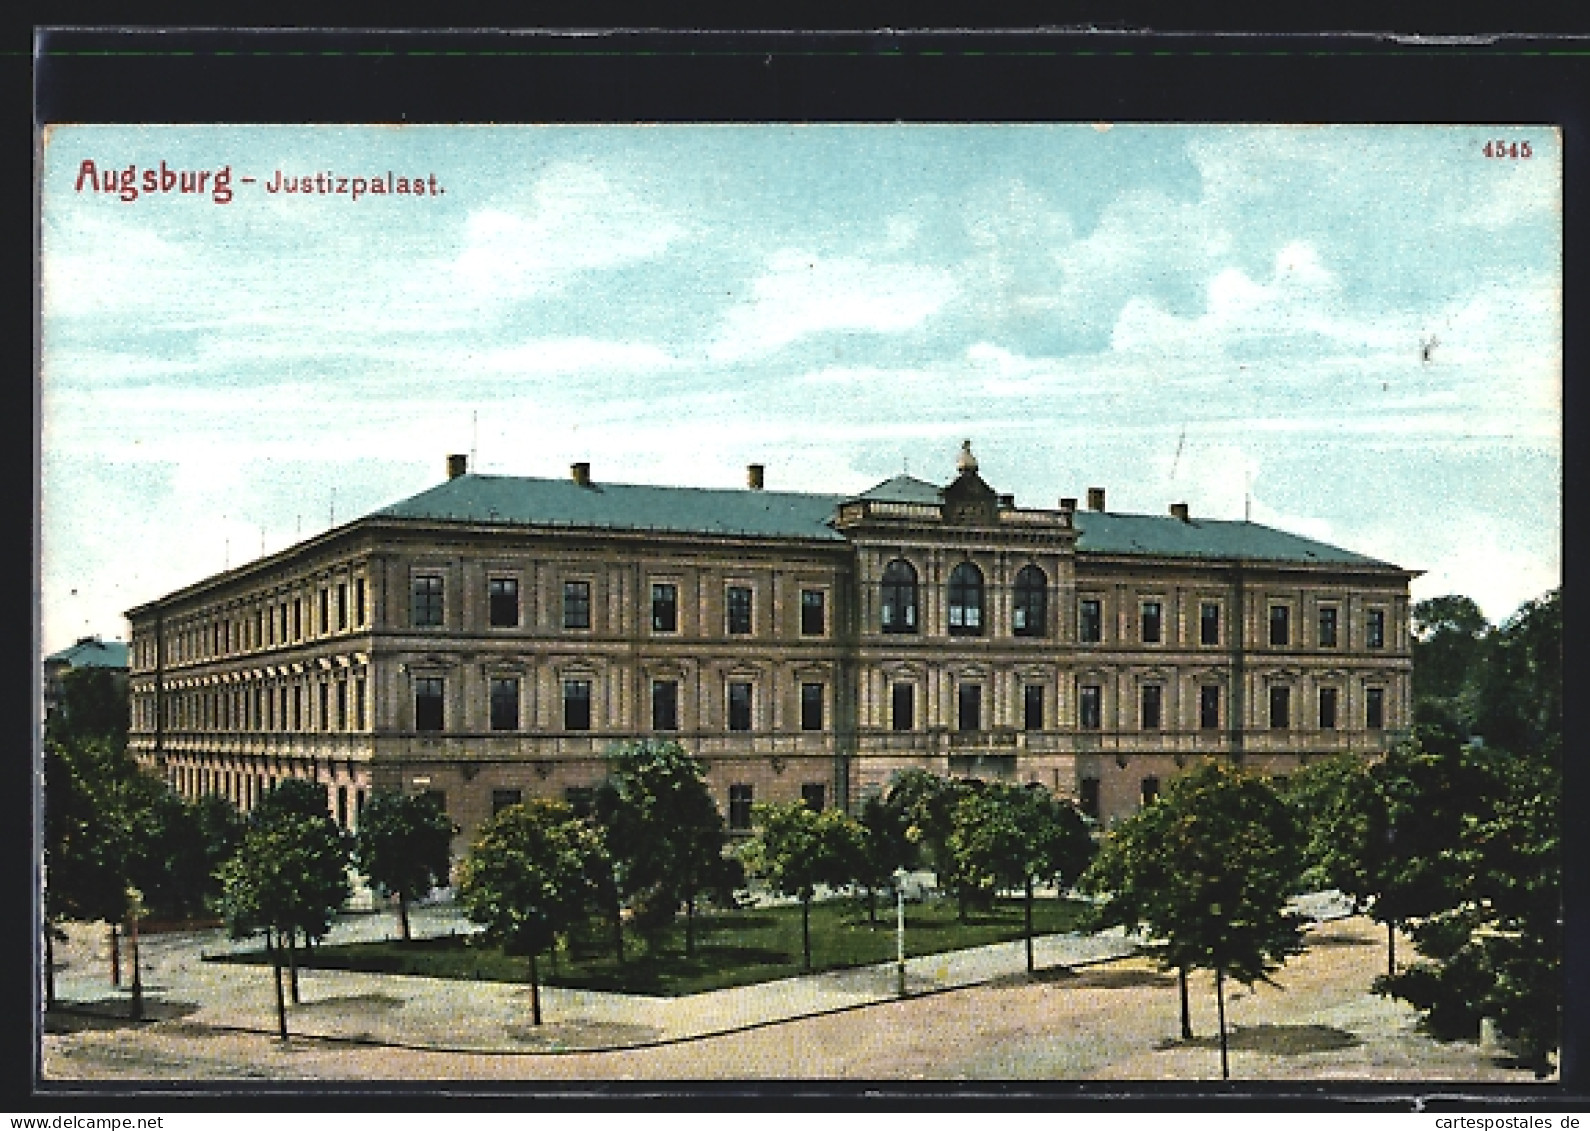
(135, 909)
(899, 930)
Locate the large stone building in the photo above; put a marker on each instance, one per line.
(490, 638)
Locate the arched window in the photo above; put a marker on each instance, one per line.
(899, 597)
(1031, 612)
(966, 600)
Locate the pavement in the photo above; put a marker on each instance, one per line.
(181, 988)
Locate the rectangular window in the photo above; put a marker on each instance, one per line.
(298, 612)
(358, 600)
(811, 706)
(1148, 791)
(358, 704)
(812, 618)
(665, 704)
(664, 608)
(1375, 708)
(1091, 706)
(1090, 622)
(1375, 637)
(427, 606)
(812, 793)
(1327, 708)
(342, 705)
(342, 604)
(1209, 623)
(1280, 626)
(427, 703)
(325, 707)
(1090, 798)
(740, 806)
(1280, 708)
(576, 704)
(502, 597)
(505, 703)
(739, 608)
(1032, 706)
(576, 604)
(739, 706)
(504, 798)
(903, 706)
(969, 701)
(580, 798)
(1153, 701)
(1327, 626)
(1151, 618)
(325, 614)
(1209, 707)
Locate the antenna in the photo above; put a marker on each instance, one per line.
(1174, 463)
(474, 437)
(227, 554)
(334, 506)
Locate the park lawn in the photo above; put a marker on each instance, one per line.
(732, 948)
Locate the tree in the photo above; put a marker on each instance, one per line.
(1207, 870)
(93, 706)
(662, 828)
(926, 803)
(527, 878)
(1009, 836)
(404, 844)
(1448, 636)
(796, 848)
(884, 849)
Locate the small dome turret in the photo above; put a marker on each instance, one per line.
(966, 462)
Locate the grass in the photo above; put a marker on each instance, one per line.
(732, 948)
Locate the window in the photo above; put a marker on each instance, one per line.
(1280, 626)
(427, 703)
(665, 704)
(576, 604)
(1327, 708)
(1148, 791)
(576, 704)
(1375, 637)
(812, 794)
(358, 704)
(1090, 621)
(902, 713)
(505, 703)
(811, 706)
(966, 600)
(1030, 612)
(1090, 798)
(503, 798)
(1032, 706)
(342, 604)
(325, 707)
(739, 706)
(580, 798)
(1280, 707)
(1327, 626)
(502, 595)
(1151, 611)
(1209, 707)
(812, 613)
(899, 597)
(358, 600)
(969, 702)
(1153, 700)
(740, 806)
(342, 705)
(298, 610)
(426, 608)
(1209, 623)
(739, 608)
(664, 608)
(1091, 707)
(1375, 708)
(325, 615)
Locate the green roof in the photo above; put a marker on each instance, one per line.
(515, 501)
(91, 652)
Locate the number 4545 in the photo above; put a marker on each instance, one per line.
(1509, 150)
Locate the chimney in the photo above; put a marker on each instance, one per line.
(1095, 498)
(753, 476)
(1068, 504)
(456, 466)
(1007, 502)
(581, 473)
(1179, 510)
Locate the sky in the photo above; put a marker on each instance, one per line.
(1350, 333)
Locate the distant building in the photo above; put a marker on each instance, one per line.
(88, 652)
(488, 639)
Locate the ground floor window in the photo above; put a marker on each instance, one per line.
(739, 806)
(812, 794)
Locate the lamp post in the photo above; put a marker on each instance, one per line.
(899, 930)
(135, 909)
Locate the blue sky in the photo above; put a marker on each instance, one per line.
(1225, 316)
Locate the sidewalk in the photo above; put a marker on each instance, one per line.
(451, 1015)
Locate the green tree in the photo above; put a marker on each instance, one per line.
(528, 878)
(663, 831)
(404, 844)
(884, 849)
(795, 849)
(1008, 836)
(1207, 870)
(1448, 637)
(926, 802)
(93, 706)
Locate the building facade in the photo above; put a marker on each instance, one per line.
(491, 638)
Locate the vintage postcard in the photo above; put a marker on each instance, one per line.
(764, 545)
